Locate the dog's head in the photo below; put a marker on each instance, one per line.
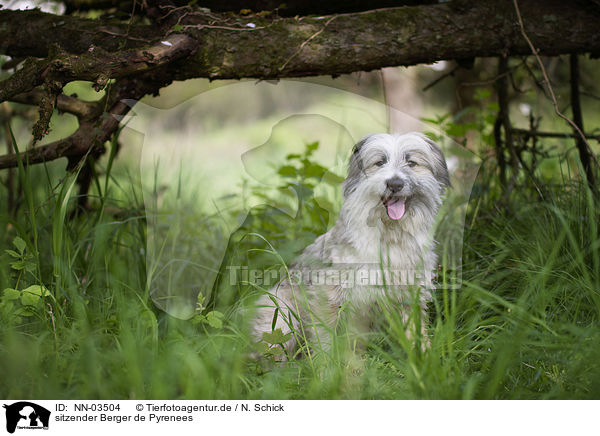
(396, 176)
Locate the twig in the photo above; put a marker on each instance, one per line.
(173, 9)
(549, 86)
(538, 83)
(208, 26)
(590, 95)
(121, 35)
(525, 132)
(442, 77)
(494, 79)
(53, 326)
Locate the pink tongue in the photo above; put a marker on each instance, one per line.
(395, 210)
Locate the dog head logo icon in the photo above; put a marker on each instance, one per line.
(26, 415)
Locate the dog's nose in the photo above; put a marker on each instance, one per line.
(395, 184)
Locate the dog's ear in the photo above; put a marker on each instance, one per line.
(355, 168)
(440, 169)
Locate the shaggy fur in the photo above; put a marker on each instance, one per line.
(391, 197)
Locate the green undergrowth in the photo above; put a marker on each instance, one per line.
(76, 320)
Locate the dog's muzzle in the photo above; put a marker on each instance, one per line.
(395, 204)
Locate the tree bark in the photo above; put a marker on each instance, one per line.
(584, 155)
(235, 47)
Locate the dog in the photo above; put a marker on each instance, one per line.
(391, 198)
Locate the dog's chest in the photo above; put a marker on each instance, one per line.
(378, 265)
(372, 247)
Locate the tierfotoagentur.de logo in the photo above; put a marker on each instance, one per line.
(24, 415)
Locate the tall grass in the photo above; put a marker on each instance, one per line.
(525, 323)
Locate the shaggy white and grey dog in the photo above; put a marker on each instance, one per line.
(384, 232)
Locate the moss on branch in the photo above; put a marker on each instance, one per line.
(258, 47)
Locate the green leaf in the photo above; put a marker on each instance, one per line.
(7, 307)
(274, 351)
(312, 146)
(29, 299)
(31, 296)
(216, 314)
(11, 294)
(262, 348)
(274, 322)
(333, 179)
(267, 350)
(24, 311)
(40, 291)
(20, 244)
(288, 171)
(200, 302)
(177, 28)
(214, 319)
(313, 169)
(430, 120)
(276, 337)
(59, 218)
(198, 319)
(13, 253)
(324, 203)
(18, 265)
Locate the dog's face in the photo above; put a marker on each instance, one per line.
(396, 177)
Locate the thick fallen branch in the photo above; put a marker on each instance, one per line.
(234, 47)
(33, 33)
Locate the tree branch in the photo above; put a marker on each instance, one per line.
(21, 30)
(530, 133)
(64, 103)
(32, 74)
(97, 65)
(352, 42)
(94, 133)
(581, 143)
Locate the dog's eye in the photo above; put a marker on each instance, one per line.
(412, 163)
(380, 163)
